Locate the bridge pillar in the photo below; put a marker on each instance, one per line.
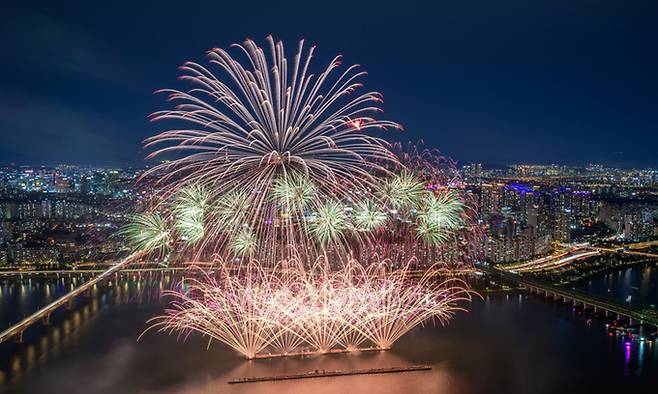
(18, 338)
(46, 320)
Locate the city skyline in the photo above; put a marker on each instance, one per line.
(462, 165)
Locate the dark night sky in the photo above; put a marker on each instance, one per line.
(508, 81)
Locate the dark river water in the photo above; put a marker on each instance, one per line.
(506, 343)
(640, 283)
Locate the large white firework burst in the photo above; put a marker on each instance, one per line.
(270, 128)
(269, 116)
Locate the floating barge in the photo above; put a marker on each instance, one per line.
(317, 352)
(324, 373)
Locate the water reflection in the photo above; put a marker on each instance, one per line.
(45, 340)
(639, 282)
(513, 343)
(627, 357)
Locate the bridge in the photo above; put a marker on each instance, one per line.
(4, 273)
(16, 331)
(607, 305)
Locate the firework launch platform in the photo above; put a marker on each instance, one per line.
(317, 352)
(324, 373)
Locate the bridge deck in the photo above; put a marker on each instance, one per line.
(641, 314)
(44, 312)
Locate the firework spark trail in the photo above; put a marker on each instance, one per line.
(267, 123)
(290, 307)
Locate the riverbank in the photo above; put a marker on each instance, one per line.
(582, 270)
(588, 274)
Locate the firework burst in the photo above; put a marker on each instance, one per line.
(285, 138)
(291, 308)
(369, 216)
(190, 209)
(277, 181)
(148, 233)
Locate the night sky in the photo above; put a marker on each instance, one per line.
(495, 82)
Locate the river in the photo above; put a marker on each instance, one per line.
(506, 343)
(640, 283)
